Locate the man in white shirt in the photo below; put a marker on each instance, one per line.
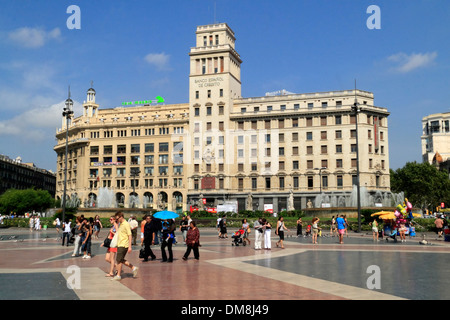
(134, 227)
(37, 223)
(258, 233)
(66, 232)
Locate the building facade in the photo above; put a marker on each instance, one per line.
(436, 138)
(279, 151)
(17, 175)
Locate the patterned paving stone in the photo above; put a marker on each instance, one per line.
(302, 271)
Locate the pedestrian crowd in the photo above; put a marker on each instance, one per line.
(122, 235)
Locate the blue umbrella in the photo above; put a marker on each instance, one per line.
(163, 215)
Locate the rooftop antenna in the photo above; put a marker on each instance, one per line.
(215, 4)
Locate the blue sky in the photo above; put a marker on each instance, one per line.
(138, 49)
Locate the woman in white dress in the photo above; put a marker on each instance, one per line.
(267, 234)
(31, 223)
(37, 223)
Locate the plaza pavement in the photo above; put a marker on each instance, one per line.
(34, 266)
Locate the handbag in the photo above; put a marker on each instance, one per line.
(114, 240)
(107, 243)
(142, 253)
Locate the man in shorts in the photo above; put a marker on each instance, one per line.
(123, 246)
(134, 228)
(341, 228)
(439, 226)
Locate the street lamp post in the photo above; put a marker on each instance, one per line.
(320, 177)
(320, 180)
(67, 113)
(355, 110)
(134, 172)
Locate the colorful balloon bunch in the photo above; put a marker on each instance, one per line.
(403, 212)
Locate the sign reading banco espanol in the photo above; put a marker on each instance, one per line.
(158, 99)
(209, 82)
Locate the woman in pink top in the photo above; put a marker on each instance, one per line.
(110, 256)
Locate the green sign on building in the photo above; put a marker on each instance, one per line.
(140, 102)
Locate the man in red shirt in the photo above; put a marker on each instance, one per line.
(192, 241)
(439, 225)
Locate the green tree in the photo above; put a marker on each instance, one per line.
(22, 201)
(422, 183)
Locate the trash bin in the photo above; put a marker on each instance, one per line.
(44, 227)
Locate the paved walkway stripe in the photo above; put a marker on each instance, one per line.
(337, 289)
(93, 285)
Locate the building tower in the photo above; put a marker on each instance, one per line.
(89, 106)
(214, 81)
(435, 137)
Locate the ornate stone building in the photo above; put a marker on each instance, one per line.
(276, 151)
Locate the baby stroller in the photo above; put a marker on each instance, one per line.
(389, 233)
(412, 231)
(308, 230)
(237, 238)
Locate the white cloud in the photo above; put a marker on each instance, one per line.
(407, 63)
(28, 86)
(37, 124)
(33, 37)
(159, 60)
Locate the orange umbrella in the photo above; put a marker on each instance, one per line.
(380, 213)
(387, 216)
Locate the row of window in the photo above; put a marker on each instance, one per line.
(210, 65)
(177, 169)
(267, 152)
(281, 137)
(136, 148)
(283, 107)
(268, 183)
(438, 126)
(136, 160)
(122, 172)
(136, 132)
(309, 121)
(253, 183)
(269, 166)
(208, 94)
(148, 183)
(205, 40)
(268, 124)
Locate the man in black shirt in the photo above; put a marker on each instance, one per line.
(149, 238)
